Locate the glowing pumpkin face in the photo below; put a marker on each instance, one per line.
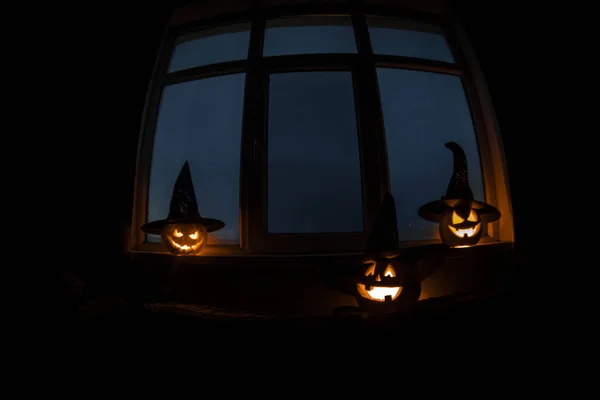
(184, 239)
(379, 293)
(387, 285)
(460, 227)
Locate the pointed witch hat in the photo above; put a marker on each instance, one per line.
(385, 241)
(382, 241)
(384, 235)
(183, 207)
(459, 193)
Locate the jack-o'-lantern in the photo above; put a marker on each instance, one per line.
(184, 238)
(373, 288)
(184, 232)
(386, 278)
(385, 283)
(459, 216)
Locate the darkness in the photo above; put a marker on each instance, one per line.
(92, 101)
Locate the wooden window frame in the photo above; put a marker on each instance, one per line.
(370, 126)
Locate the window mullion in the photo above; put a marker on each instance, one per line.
(253, 133)
(371, 130)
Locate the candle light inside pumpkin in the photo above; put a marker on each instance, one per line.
(379, 293)
(184, 238)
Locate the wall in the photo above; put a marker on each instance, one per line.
(207, 9)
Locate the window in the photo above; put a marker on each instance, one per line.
(295, 126)
(210, 47)
(313, 163)
(408, 39)
(200, 122)
(422, 111)
(309, 36)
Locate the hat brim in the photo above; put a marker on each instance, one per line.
(434, 210)
(155, 227)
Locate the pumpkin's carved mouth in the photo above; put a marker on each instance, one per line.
(184, 248)
(465, 232)
(380, 293)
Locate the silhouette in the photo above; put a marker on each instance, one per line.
(183, 207)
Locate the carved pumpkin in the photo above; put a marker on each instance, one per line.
(378, 293)
(458, 214)
(387, 285)
(385, 278)
(184, 232)
(184, 238)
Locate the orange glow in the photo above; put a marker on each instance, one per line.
(468, 232)
(186, 248)
(379, 293)
(185, 238)
(472, 216)
(456, 219)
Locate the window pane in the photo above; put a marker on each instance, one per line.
(422, 111)
(313, 161)
(408, 39)
(211, 47)
(200, 121)
(309, 35)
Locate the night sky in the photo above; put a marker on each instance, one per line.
(313, 180)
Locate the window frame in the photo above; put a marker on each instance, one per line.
(372, 149)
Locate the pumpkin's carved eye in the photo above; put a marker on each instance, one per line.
(194, 235)
(472, 216)
(456, 219)
(389, 271)
(176, 233)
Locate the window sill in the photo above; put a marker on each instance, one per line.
(234, 255)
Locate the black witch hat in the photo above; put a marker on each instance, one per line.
(183, 207)
(383, 241)
(459, 193)
(384, 235)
